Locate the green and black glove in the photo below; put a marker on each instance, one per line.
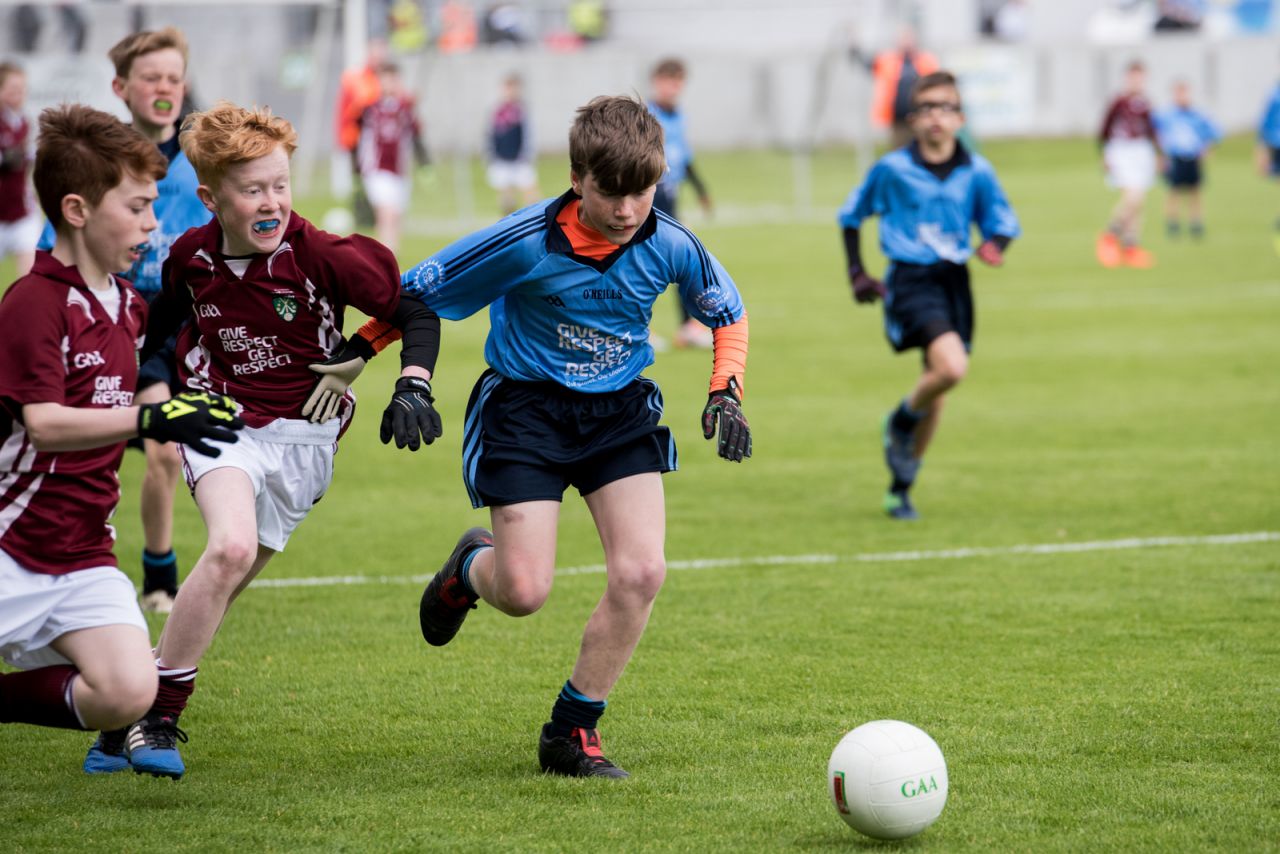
(190, 418)
(724, 406)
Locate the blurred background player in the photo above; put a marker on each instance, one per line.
(1186, 135)
(262, 293)
(69, 333)
(1268, 151)
(151, 74)
(19, 219)
(390, 135)
(928, 195)
(1130, 157)
(567, 405)
(666, 84)
(511, 170)
(357, 89)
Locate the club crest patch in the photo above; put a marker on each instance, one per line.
(286, 307)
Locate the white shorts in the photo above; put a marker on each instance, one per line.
(289, 463)
(387, 190)
(511, 175)
(37, 609)
(1131, 164)
(20, 235)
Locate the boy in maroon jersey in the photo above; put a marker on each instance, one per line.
(1130, 155)
(19, 221)
(389, 131)
(69, 333)
(264, 293)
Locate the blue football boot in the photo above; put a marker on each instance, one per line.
(898, 506)
(899, 452)
(107, 754)
(152, 746)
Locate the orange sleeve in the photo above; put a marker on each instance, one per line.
(378, 334)
(730, 343)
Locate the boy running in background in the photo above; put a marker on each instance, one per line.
(19, 220)
(1130, 155)
(511, 168)
(389, 135)
(1268, 150)
(928, 195)
(151, 74)
(667, 84)
(1186, 135)
(263, 294)
(69, 333)
(570, 285)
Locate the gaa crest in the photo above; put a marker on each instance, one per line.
(286, 307)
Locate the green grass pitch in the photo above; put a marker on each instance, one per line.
(1095, 700)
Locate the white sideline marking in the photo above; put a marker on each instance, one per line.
(866, 557)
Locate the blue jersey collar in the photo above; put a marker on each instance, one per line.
(558, 242)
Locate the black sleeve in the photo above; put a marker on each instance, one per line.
(420, 154)
(698, 186)
(421, 329)
(852, 250)
(1002, 241)
(165, 316)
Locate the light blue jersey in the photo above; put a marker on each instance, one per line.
(565, 318)
(675, 144)
(1185, 132)
(1269, 126)
(924, 218)
(177, 209)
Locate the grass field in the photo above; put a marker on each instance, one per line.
(1086, 698)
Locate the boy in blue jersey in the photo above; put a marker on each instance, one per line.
(570, 284)
(666, 83)
(151, 69)
(1269, 145)
(1185, 135)
(928, 195)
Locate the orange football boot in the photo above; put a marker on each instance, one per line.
(1138, 258)
(1108, 250)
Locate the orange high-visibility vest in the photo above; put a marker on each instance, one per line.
(886, 71)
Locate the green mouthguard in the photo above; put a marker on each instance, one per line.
(164, 105)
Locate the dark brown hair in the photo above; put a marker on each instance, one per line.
(935, 80)
(86, 152)
(670, 67)
(131, 47)
(617, 141)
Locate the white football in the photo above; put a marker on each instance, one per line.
(338, 221)
(888, 779)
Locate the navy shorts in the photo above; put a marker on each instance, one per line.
(1184, 172)
(529, 441)
(1275, 161)
(925, 301)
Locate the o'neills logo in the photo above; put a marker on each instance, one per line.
(837, 789)
(601, 293)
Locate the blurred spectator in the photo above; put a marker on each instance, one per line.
(457, 27)
(357, 89)
(390, 135)
(511, 169)
(1185, 135)
(20, 220)
(28, 22)
(588, 19)
(1179, 15)
(408, 30)
(894, 72)
(1012, 21)
(504, 23)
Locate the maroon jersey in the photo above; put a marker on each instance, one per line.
(387, 130)
(1129, 117)
(252, 337)
(15, 157)
(58, 345)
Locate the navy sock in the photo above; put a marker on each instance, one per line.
(905, 419)
(464, 574)
(159, 572)
(573, 709)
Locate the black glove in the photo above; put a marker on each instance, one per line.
(410, 413)
(865, 288)
(190, 418)
(735, 434)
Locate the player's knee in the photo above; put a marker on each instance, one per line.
(163, 461)
(637, 580)
(122, 697)
(521, 597)
(230, 558)
(951, 371)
